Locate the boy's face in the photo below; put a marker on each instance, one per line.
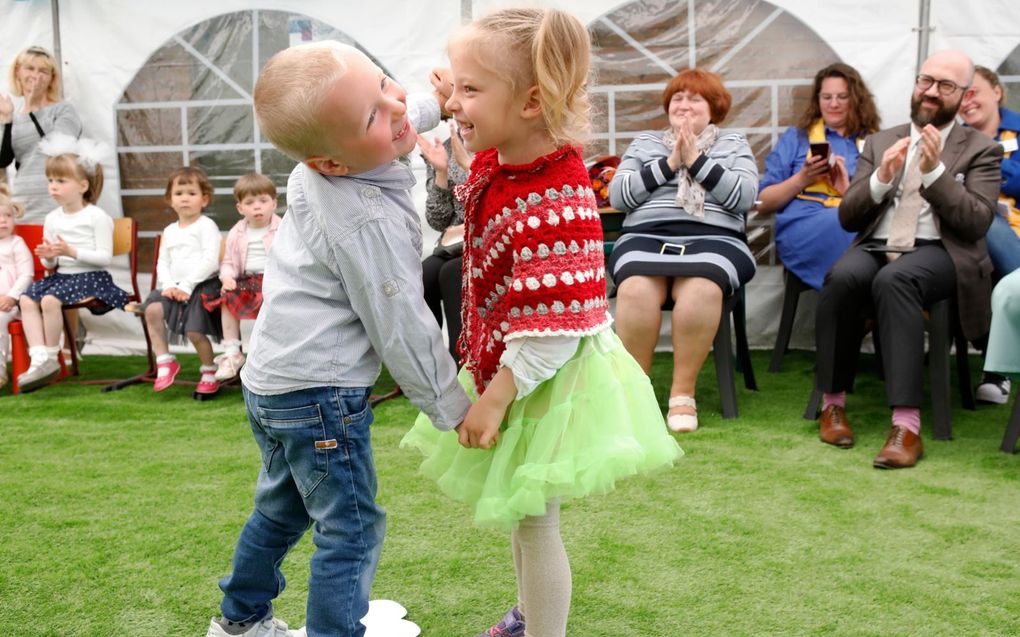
(366, 115)
(257, 209)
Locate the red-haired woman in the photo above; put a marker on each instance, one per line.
(686, 192)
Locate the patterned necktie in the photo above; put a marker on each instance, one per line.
(903, 227)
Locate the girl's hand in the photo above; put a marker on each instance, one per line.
(6, 109)
(462, 155)
(7, 303)
(480, 429)
(47, 250)
(838, 176)
(442, 88)
(434, 153)
(228, 283)
(65, 250)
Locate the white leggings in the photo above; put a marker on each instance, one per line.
(5, 340)
(543, 574)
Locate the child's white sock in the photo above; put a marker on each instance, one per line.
(164, 358)
(52, 352)
(232, 347)
(208, 373)
(38, 355)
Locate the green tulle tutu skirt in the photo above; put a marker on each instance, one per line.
(594, 422)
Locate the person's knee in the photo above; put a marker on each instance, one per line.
(27, 303)
(891, 281)
(50, 304)
(640, 293)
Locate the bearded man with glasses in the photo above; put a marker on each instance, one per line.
(921, 202)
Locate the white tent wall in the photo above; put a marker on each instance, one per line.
(104, 45)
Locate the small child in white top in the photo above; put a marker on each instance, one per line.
(16, 270)
(77, 244)
(244, 261)
(189, 256)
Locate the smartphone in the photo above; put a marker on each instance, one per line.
(820, 149)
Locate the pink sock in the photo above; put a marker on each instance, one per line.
(907, 417)
(838, 399)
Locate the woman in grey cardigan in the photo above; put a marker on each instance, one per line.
(36, 112)
(446, 166)
(686, 192)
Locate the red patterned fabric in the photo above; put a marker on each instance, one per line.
(533, 262)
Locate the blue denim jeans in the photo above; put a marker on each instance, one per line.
(317, 471)
(1003, 247)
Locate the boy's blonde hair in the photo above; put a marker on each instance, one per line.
(37, 54)
(69, 166)
(547, 48)
(289, 96)
(188, 175)
(253, 185)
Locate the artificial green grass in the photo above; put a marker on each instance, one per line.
(119, 512)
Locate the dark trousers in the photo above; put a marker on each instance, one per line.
(896, 292)
(441, 277)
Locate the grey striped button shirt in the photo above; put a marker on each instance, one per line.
(343, 291)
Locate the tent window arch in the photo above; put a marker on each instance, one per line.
(191, 104)
(766, 56)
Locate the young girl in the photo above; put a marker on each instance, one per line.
(244, 261)
(562, 410)
(77, 243)
(189, 256)
(16, 270)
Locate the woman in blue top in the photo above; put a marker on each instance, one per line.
(805, 187)
(982, 109)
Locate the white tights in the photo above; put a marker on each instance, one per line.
(543, 574)
(5, 341)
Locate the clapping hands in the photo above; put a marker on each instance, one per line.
(6, 109)
(53, 249)
(685, 148)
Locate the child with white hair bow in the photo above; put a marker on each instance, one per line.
(77, 244)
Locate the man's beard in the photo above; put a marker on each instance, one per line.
(939, 118)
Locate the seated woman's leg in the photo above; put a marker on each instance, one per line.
(449, 286)
(639, 302)
(695, 321)
(1003, 247)
(430, 268)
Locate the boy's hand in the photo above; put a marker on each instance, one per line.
(442, 85)
(7, 303)
(228, 283)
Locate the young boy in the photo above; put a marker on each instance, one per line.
(244, 261)
(342, 289)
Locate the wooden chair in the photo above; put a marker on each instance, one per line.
(125, 241)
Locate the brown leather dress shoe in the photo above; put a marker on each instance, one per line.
(834, 429)
(903, 448)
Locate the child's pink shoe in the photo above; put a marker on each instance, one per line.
(165, 375)
(206, 387)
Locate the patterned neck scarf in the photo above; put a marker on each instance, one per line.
(690, 195)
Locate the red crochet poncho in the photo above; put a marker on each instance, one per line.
(533, 261)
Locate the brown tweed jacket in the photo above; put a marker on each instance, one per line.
(963, 203)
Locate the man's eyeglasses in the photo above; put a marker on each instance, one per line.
(946, 87)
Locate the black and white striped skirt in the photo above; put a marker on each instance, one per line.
(724, 260)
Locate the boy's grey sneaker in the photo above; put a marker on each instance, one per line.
(38, 375)
(993, 389)
(512, 625)
(270, 627)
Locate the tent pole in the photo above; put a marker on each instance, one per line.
(466, 11)
(923, 32)
(55, 11)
